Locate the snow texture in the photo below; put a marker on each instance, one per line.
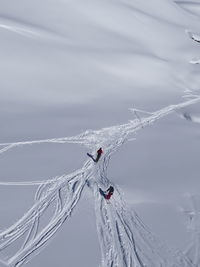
(124, 239)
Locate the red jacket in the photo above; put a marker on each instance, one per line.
(99, 152)
(108, 196)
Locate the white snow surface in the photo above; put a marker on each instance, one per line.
(72, 66)
(124, 239)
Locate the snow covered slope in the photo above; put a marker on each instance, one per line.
(124, 239)
(71, 66)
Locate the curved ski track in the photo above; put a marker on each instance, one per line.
(125, 241)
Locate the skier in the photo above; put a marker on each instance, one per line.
(109, 193)
(99, 153)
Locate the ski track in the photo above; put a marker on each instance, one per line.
(124, 240)
(28, 30)
(193, 226)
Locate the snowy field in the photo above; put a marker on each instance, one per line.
(118, 74)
